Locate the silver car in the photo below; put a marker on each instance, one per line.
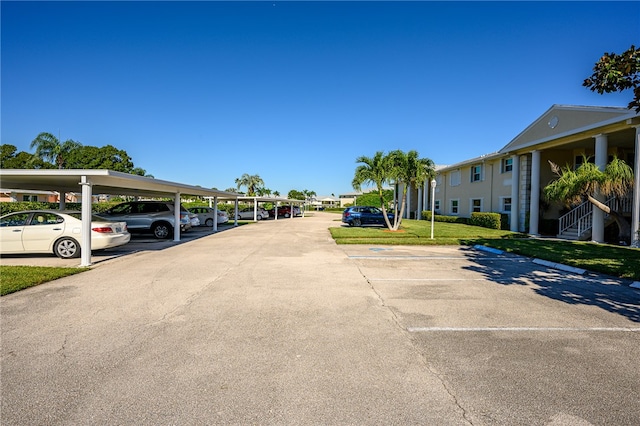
(156, 217)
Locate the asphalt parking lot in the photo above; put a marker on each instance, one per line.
(276, 324)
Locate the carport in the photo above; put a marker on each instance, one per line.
(274, 200)
(89, 182)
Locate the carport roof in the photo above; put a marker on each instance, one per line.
(270, 199)
(102, 181)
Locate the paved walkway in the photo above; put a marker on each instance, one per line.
(272, 323)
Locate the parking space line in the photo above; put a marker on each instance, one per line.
(561, 329)
(413, 257)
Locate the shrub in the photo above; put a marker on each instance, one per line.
(485, 220)
(426, 215)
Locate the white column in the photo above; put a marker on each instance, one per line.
(597, 230)
(215, 214)
(635, 210)
(85, 244)
(235, 213)
(534, 208)
(420, 205)
(515, 187)
(176, 217)
(255, 209)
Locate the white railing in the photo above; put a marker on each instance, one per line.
(581, 217)
(575, 217)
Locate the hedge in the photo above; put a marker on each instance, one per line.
(426, 215)
(485, 220)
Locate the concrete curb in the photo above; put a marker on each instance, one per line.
(488, 249)
(559, 266)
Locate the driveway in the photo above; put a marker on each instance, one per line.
(276, 324)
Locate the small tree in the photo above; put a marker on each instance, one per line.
(408, 169)
(572, 186)
(374, 170)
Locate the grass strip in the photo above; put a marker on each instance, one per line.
(623, 262)
(16, 278)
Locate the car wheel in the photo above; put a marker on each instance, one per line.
(259, 217)
(162, 230)
(209, 222)
(357, 222)
(287, 215)
(66, 248)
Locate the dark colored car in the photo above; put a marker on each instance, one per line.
(285, 211)
(364, 215)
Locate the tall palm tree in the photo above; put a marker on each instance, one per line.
(409, 169)
(374, 170)
(49, 148)
(572, 186)
(251, 182)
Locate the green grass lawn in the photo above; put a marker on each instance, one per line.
(621, 262)
(15, 278)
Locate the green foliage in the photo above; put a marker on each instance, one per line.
(373, 199)
(251, 182)
(106, 157)
(426, 215)
(616, 73)
(10, 207)
(294, 194)
(16, 278)
(9, 159)
(49, 148)
(485, 220)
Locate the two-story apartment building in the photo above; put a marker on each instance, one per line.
(511, 180)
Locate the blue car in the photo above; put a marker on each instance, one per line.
(364, 215)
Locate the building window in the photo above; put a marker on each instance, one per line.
(454, 179)
(507, 165)
(436, 206)
(454, 206)
(30, 198)
(476, 205)
(476, 173)
(506, 204)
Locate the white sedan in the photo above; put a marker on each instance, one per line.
(205, 214)
(248, 214)
(57, 232)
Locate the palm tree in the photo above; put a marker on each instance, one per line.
(408, 169)
(572, 186)
(49, 148)
(251, 182)
(374, 170)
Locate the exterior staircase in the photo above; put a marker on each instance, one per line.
(578, 223)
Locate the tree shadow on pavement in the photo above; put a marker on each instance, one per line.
(608, 293)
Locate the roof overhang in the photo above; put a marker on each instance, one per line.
(102, 182)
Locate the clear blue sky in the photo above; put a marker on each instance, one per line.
(202, 92)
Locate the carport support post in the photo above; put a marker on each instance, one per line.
(85, 252)
(255, 209)
(235, 214)
(215, 214)
(291, 210)
(275, 209)
(176, 217)
(635, 208)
